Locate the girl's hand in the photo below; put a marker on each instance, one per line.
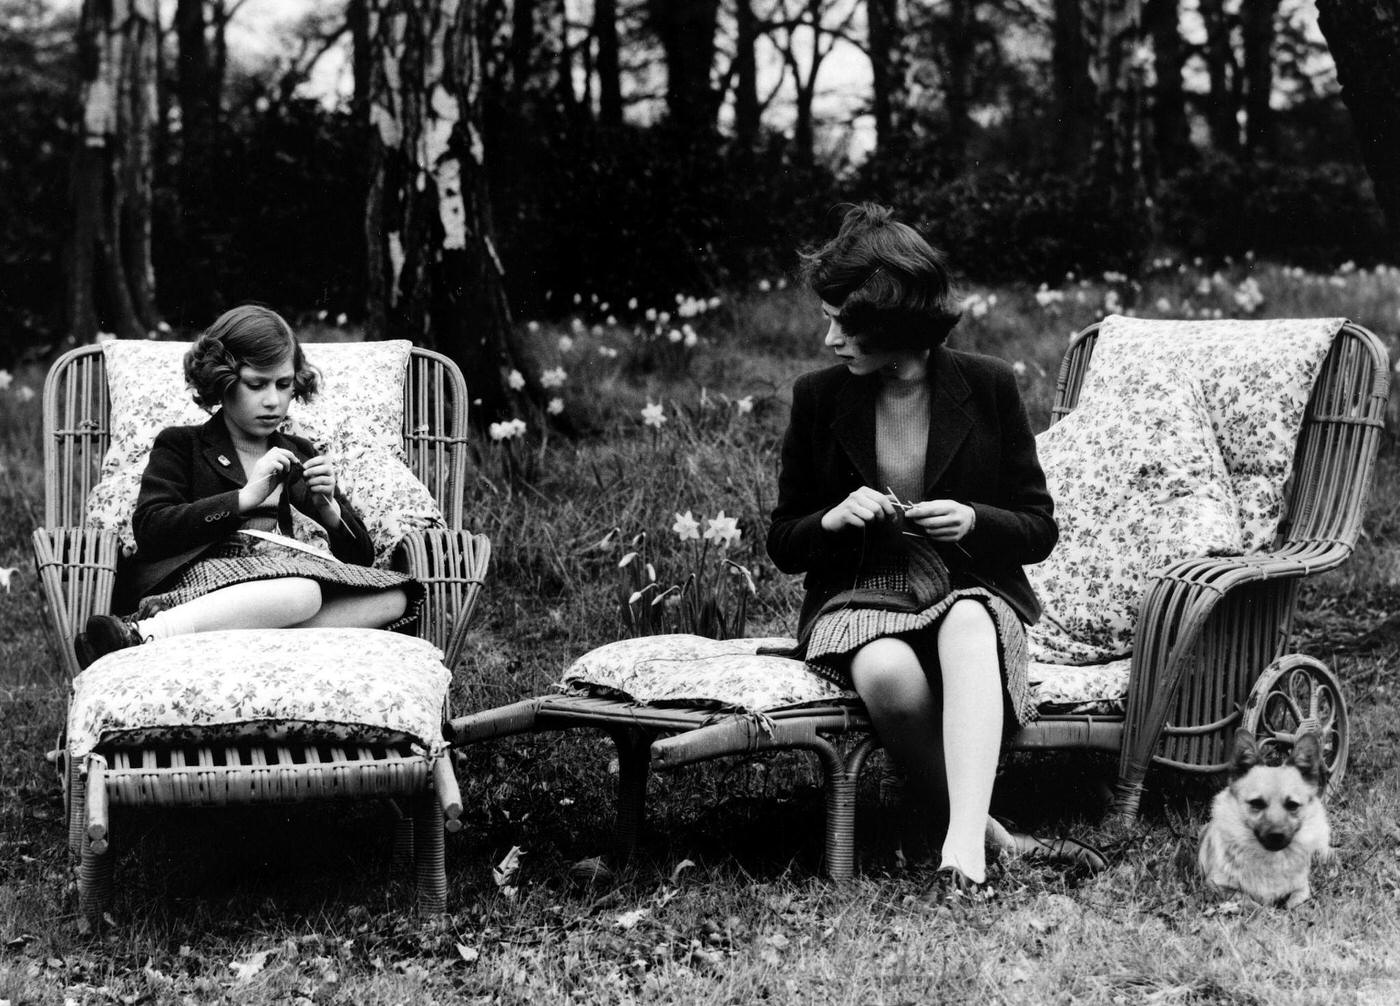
(266, 475)
(320, 480)
(942, 520)
(858, 509)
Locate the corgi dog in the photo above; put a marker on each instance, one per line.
(1268, 824)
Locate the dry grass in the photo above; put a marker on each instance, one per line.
(298, 905)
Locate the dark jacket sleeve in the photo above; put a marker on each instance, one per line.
(168, 518)
(1020, 529)
(797, 542)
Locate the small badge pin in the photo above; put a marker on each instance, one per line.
(224, 461)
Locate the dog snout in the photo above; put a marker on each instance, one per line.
(1273, 839)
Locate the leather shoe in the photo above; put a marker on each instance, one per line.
(105, 634)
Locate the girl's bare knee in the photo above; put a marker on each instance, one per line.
(886, 669)
(966, 618)
(301, 596)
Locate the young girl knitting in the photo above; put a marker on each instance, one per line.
(193, 570)
(910, 495)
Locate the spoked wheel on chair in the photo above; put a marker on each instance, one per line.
(1295, 693)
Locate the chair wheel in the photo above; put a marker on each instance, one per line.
(1294, 692)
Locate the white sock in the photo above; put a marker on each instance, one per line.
(164, 624)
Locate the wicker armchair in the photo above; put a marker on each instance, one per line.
(1211, 651)
(77, 566)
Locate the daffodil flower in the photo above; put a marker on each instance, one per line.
(516, 380)
(687, 528)
(723, 531)
(654, 415)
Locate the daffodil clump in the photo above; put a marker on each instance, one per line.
(710, 598)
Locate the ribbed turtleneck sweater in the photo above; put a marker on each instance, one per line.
(901, 436)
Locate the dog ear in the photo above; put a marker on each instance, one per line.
(1306, 757)
(1246, 754)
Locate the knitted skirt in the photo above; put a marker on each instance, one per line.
(837, 636)
(242, 560)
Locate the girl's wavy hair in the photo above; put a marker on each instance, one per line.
(891, 286)
(246, 336)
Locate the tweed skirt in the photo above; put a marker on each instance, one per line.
(837, 635)
(243, 560)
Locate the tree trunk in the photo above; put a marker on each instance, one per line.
(435, 276)
(1222, 108)
(962, 21)
(1170, 133)
(1258, 28)
(1117, 180)
(883, 31)
(197, 97)
(609, 71)
(746, 110)
(1071, 55)
(687, 34)
(111, 282)
(1364, 36)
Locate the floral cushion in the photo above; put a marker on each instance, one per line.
(682, 668)
(1090, 688)
(1256, 377)
(1138, 482)
(357, 418)
(731, 674)
(284, 684)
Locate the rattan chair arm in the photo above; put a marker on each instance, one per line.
(77, 567)
(1289, 561)
(739, 734)
(503, 721)
(452, 566)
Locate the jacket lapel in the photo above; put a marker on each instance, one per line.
(216, 448)
(949, 421)
(853, 425)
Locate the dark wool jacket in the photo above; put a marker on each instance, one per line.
(189, 503)
(981, 452)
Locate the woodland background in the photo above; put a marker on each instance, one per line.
(490, 160)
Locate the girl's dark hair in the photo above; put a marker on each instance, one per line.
(889, 284)
(245, 336)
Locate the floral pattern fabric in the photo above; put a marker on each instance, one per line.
(1138, 482)
(357, 418)
(1256, 377)
(309, 685)
(1098, 689)
(732, 674)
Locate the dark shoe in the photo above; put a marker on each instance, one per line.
(102, 635)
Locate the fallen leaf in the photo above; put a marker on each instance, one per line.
(468, 954)
(505, 871)
(246, 969)
(628, 920)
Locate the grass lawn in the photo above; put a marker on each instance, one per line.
(724, 903)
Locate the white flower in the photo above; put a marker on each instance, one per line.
(714, 303)
(764, 286)
(342, 318)
(1020, 368)
(687, 528)
(24, 393)
(532, 326)
(632, 304)
(745, 405)
(516, 380)
(651, 314)
(555, 406)
(691, 340)
(507, 430)
(674, 336)
(517, 427)
(321, 314)
(565, 344)
(654, 415)
(597, 329)
(5, 378)
(1248, 296)
(553, 378)
(663, 318)
(105, 337)
(626, 560)
(722, 530)
(1111, 303)
(1163, 305)
(577, 326)
(1203, 287)
(782, 283)
(612, 319)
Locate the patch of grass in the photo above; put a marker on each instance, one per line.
(300, 905)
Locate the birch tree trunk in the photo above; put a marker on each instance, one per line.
(435, 276)
(1364, 36)
(111, 282)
